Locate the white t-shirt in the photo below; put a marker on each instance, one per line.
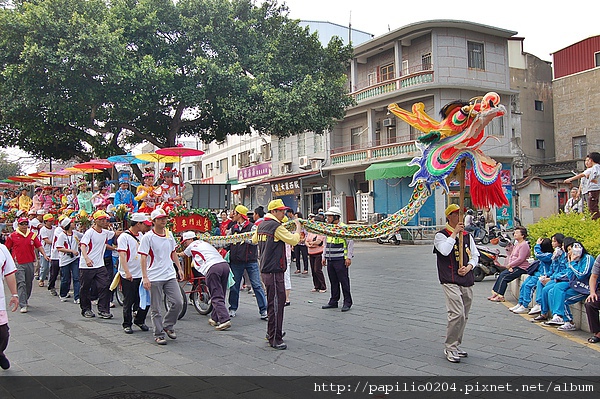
(96, 245)
(7, 266)
(593, 176)
(129, 245)
(49, 234)
(203, 255)
(158, 250)
(54, 254)
(67, 242)
(35, 225)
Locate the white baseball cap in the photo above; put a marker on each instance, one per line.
(188, 235)
(158, 213)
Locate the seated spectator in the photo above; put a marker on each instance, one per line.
(557, 264)
(564, 293)
(516, 265)
(592, 304)
(543, 253)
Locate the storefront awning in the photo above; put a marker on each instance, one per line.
(390, 170)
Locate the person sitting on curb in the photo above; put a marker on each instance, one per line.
(546, 283)
(566, 293)
(516, 265)
(543, 253)
(592, 304)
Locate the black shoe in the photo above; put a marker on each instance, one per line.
(328, 306)
(128, 330)
(105, 315)
(88, 314)
(4, 363)
(287, 304)
(143, 327)
(345, 308)
(280, 346)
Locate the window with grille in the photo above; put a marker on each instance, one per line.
(281, 149)
(318, 142)
(234, 160)
(355, 133)
(426, 62)
(496, 127)
(386, 72)
(371, 79)
(405, 67)
(301, 144)
(265, 150)
(475, 55)
(534, 200)
(579, 147)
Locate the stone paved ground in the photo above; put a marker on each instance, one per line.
(395, 328)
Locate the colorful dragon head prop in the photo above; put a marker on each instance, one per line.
(459, 135)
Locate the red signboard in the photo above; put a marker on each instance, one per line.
(191, 222)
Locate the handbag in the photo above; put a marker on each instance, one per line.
(533, 267)
(580, 287)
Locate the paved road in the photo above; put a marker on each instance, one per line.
(396, 328)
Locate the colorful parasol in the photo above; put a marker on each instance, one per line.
(22, 179)
(155, 157)
(94, 164)
(180, 151)
(63, 172)
(127, 159)
(39, 175)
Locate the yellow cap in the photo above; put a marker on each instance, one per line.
(100, 215)
(450, 209)
(277, 204)
(48, 216)
(242, 210)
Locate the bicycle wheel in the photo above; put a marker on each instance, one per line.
(201, 299)
(119, 295)
(185, 303)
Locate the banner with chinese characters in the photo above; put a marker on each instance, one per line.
(191, 222)
(254, 172)
(285, 188)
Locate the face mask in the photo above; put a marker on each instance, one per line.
(576, 250)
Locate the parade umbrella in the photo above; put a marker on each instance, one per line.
(22, 179)
(41, 174)
(155, 157)
(94, 166)
(180, 151)
(126, 158)
(63, 173)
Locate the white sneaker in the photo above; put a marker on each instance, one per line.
(64, 299)
(555, 321)
(231, 313)
(23, 309)
(521, 310)
(515, 307)
(536, 309)
(568, 326)
(76, 301)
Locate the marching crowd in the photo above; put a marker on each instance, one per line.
(51, 240)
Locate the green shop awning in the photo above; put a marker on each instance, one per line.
(390, 170)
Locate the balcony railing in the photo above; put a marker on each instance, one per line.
(416, 76)
(374, 151)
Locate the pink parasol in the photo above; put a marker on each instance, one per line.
(180, 151)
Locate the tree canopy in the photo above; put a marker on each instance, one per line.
(90, 78)
(7, 167)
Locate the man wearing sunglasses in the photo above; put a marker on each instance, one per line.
(22, 243)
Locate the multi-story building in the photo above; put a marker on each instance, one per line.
(576, 128)
(433, 62)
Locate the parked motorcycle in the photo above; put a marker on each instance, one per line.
(478, 230)
(393, 238)
(487, 265)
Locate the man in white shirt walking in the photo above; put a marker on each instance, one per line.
(157, 255)
(92, 269)
(130, 269)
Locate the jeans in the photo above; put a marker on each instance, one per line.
(234, 292)
(506, 277)
(44, 268)
(68, 271)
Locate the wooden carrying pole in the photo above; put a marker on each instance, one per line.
(461, 169)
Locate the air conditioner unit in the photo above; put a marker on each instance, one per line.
(315, 164)
(389, 122)
(304, 163)
(254, 157)
(285, 168)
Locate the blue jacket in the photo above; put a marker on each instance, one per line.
(559, 266)
(545, 258)
(580, 269)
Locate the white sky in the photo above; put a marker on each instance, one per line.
(546, 26)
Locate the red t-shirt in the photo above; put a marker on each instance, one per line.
(23, 246)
